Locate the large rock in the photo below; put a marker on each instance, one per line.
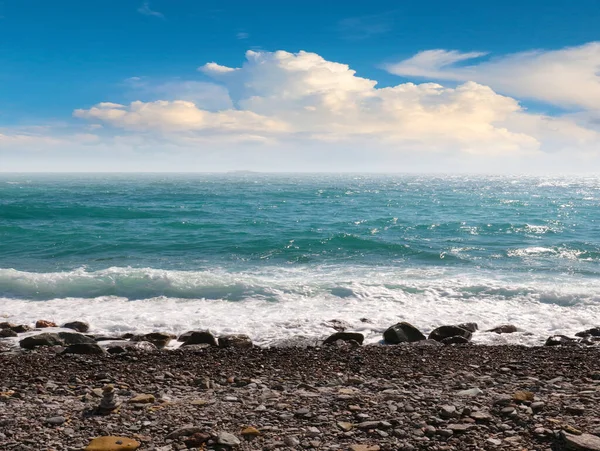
(402, 333)
(444, 332)
(504, 329)
(111, 443)
(45, 339)
(561, 340)
(158, 339)
(345, 336)
(84, 349)
(74, 338)
(593, 332)
(121, 347)
(6, 325)
(79, 326)
(42, 323)
(471, 327)
(235, 341)
(583, 442)
(200, 337)
(21, 328)
(7, 333)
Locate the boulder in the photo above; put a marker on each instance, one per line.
(42, 323)
(345, 336)
(593, 332)
(443, 332)
(504, 329)
(75, 338)
(21, 328)
(402, 332)
(455, 340)
(560, 340)
(79, 326)
(6, 325)
(471, 327)
(7, 333)
(235, 341)
(158, 339)
(200, 337)
(121, 347)
(84, 349)
(45, 339)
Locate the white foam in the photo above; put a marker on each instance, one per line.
(277, 303)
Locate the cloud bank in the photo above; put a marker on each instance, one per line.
(299, 111)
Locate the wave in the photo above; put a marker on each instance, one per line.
(275, 303)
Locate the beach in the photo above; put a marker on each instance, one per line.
(340, 396)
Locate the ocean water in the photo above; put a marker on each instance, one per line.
(279, 256)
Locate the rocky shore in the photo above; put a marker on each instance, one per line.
(77, 393)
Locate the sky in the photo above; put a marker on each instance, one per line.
(319, 86)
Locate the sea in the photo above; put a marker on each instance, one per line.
(282, 257)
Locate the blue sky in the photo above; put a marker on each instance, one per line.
(57, 57)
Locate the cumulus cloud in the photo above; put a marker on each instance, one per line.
(568, 77)
(302, 97)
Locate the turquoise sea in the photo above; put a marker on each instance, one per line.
(277, 256)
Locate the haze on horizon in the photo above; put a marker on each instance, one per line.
(136, 86)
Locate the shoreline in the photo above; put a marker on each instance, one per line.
(403, 397)
(440, 392)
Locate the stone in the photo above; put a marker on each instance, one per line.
(456, 340)
(560, 340)
(45, 339)
(42, 324)
(345, 336)
(109, 401)
(200, 337)
(142, 399)
(7, 333)
(112, 443)
(402, 332)
(84, 349)
(448, 411)
(364, 448)
(537, 406)
(575, 410)
(345, 426)
(250, 432)
(503, 329)
(75, 338)
(55, 421)
(471, 327)
(583, 442)
(184, 431)
(458, 428)
(472, 392)
(227, 439)
(79, 326)
(197, 440)
(21, 328)
(6, 325)
(593, 332)
(449, 331)
(121, 347)
(158, 339)
(523, 396)
(291, 441)
(235, 341)
(481, 415)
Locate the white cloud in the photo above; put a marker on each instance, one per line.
(242, 35)
(146, 11)
(301, 97)
(568, 77)
(298, 111)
